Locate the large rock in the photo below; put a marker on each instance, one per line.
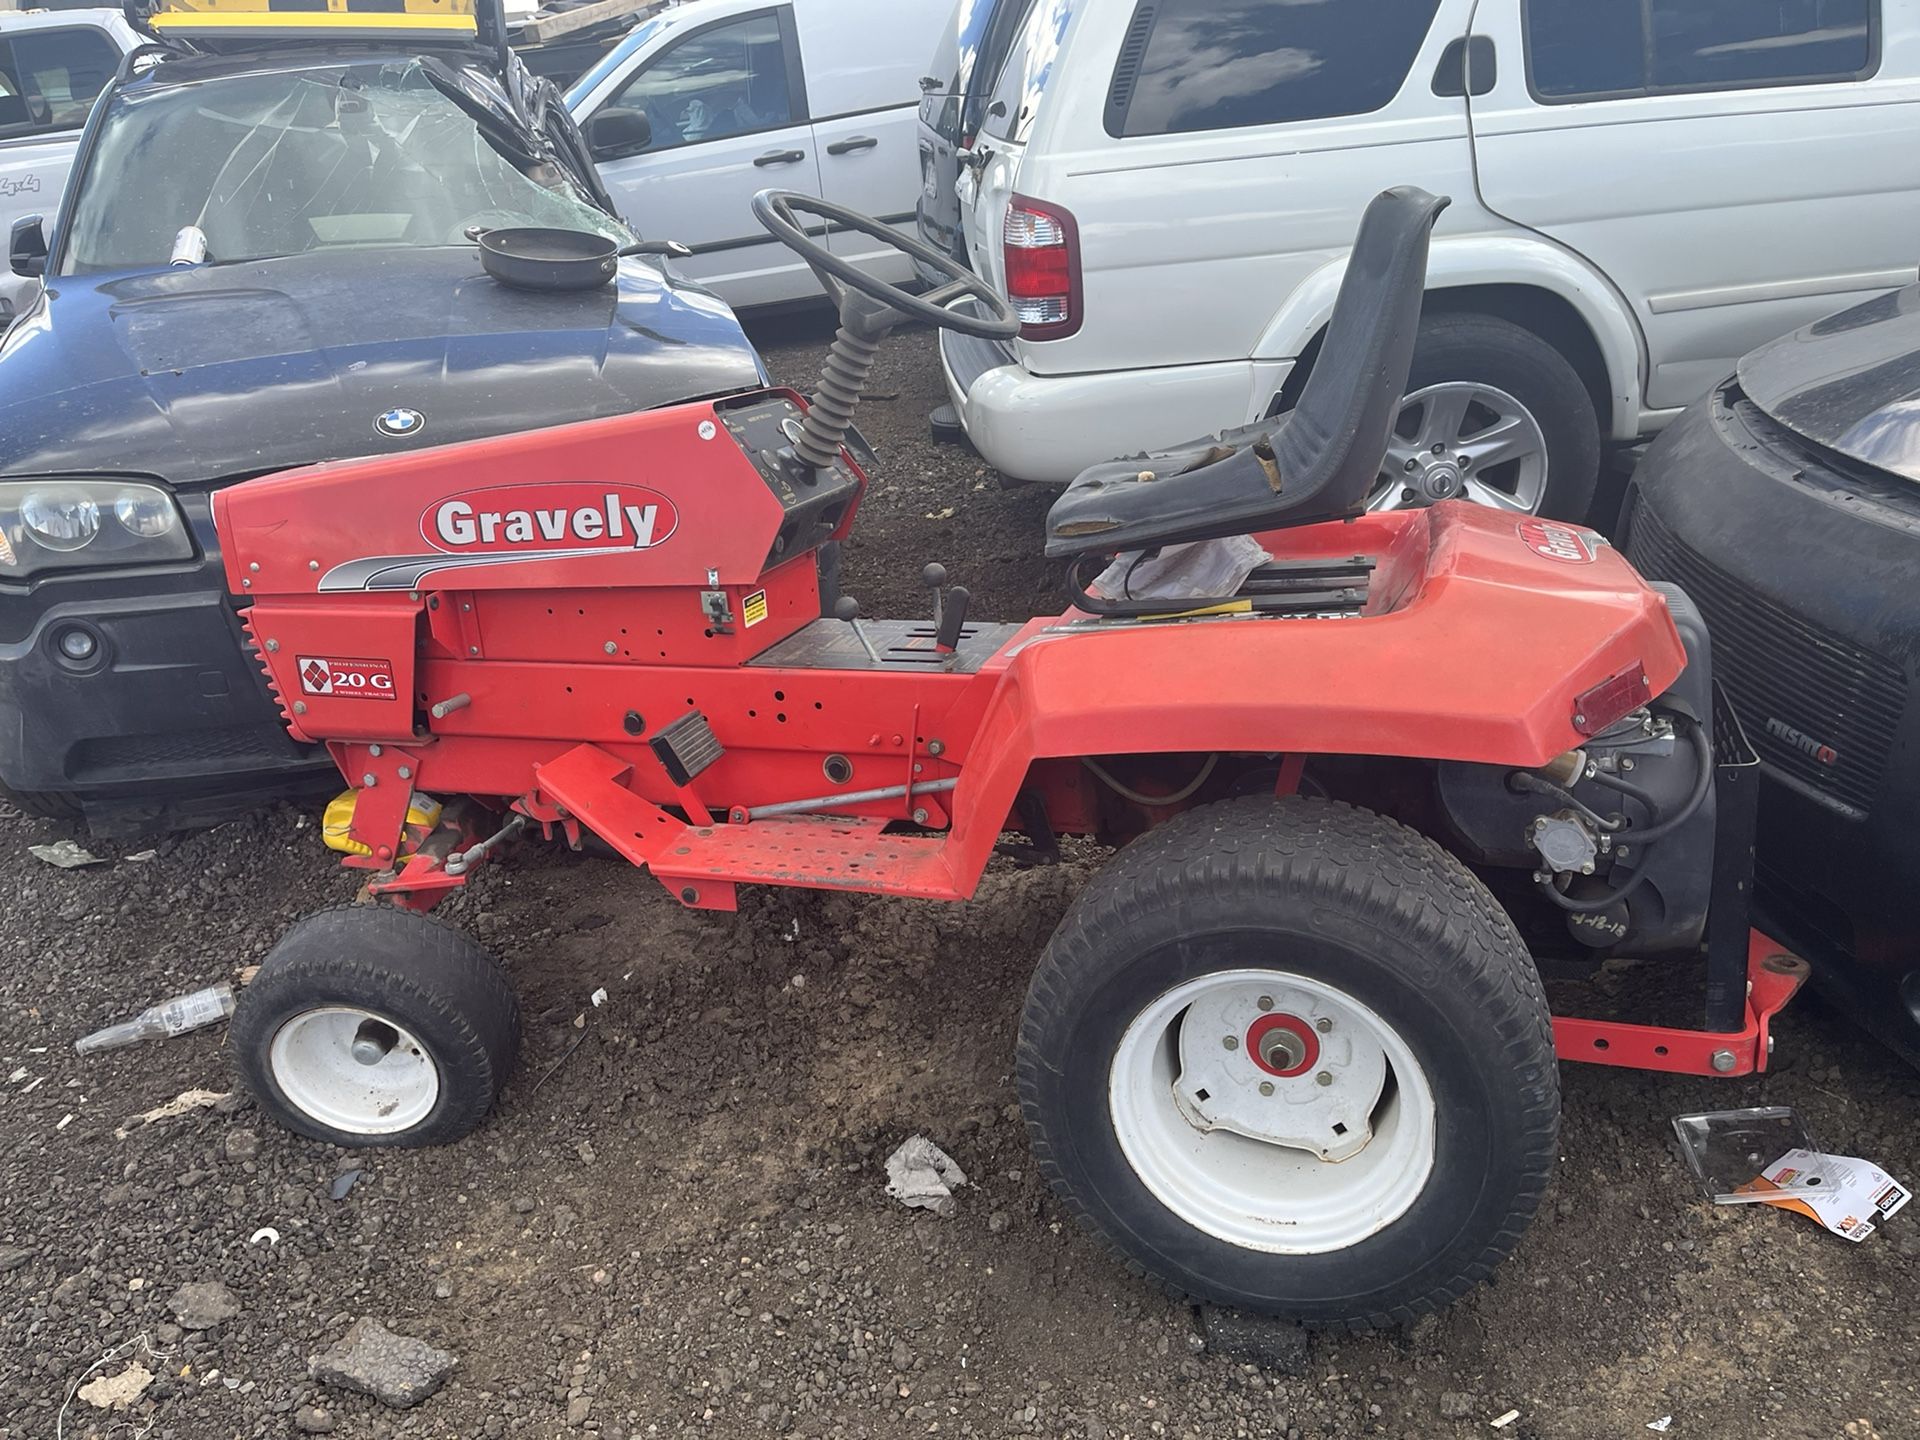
(203, 1304)
(395, 1369)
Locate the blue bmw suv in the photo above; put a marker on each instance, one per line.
(265, 258)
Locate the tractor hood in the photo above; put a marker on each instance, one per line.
(216, 373)
(1850, 382)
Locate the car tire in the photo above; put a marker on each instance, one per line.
(442, 1019)
(1491, 351)
(1376, 926)
(44, 804)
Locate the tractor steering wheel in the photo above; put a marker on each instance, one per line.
(775, 209)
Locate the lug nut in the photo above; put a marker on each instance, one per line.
(1324, 1078)
(1231, 1042)
(1266, 1087)
(1323, 1025)
(1266, 1002)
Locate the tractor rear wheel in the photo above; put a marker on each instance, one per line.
(369, 1025)
(1293, 1057)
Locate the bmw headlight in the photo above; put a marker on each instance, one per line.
(74, 524)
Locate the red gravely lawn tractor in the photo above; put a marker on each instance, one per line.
(1290, 1049)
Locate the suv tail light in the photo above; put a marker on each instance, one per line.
(1042, 246)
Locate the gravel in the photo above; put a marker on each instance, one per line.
(727, 1263)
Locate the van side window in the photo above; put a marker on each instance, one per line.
(57, 73)
(1607, 49)
(728, 79)
(1221, 64)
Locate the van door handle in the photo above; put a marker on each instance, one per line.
(851, 144)
(780, 157)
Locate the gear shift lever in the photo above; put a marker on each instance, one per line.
(848, 609)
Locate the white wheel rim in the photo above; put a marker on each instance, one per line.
(1261, 1193)
(1463, 441)
(313, 1063)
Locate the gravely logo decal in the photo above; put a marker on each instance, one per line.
(1556, 542)
(562, 518)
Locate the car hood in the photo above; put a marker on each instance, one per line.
(221, 372)
(1850, 382)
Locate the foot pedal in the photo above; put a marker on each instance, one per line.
(686, 747)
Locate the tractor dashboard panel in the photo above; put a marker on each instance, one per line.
(815, 505)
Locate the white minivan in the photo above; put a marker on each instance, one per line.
(52, 64)
(708, 102)
(1643, 190)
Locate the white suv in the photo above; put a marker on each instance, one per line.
(1643, 191)
(52, 64)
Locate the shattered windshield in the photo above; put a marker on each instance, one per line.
(274, 164)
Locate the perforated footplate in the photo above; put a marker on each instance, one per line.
(901, 644)
(816, 852)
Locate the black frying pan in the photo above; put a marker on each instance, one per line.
(530, 257)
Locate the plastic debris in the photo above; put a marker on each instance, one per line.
(185, 1103)
(1191, 571)
(143, 855)
(1663, 1424)
(1841, 1193)
(1505, 1420)
(599, 997)
(922, 1175)
(169, 1017)
(1764, 1156)
(116, 1392)
(65, 854)
(266, 1233)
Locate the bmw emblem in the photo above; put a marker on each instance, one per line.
(400, 422)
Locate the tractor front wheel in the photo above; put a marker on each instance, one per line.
(374, 1026)
(1293, 1057)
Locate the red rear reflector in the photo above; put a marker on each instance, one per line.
(1594, 710)
(1041, 248)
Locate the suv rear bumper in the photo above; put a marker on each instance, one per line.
(169, 712)
(1048, 428)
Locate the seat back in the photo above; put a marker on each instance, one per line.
(1335, 439)
(1318, 462)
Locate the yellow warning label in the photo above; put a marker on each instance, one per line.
(753, 609)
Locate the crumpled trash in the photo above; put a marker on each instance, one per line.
(116, 1392)
(185, 1103)
(65, 854)
(1200, 569)
(922, 1175)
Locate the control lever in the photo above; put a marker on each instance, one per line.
(848, 609)
(934, 577)
(951, 621)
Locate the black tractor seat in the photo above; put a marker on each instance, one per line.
(1316, 463)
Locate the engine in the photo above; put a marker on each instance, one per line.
(1619, 834)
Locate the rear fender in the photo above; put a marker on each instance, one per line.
(1477, 645)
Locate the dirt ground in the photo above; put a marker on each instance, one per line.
(676, 1225)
